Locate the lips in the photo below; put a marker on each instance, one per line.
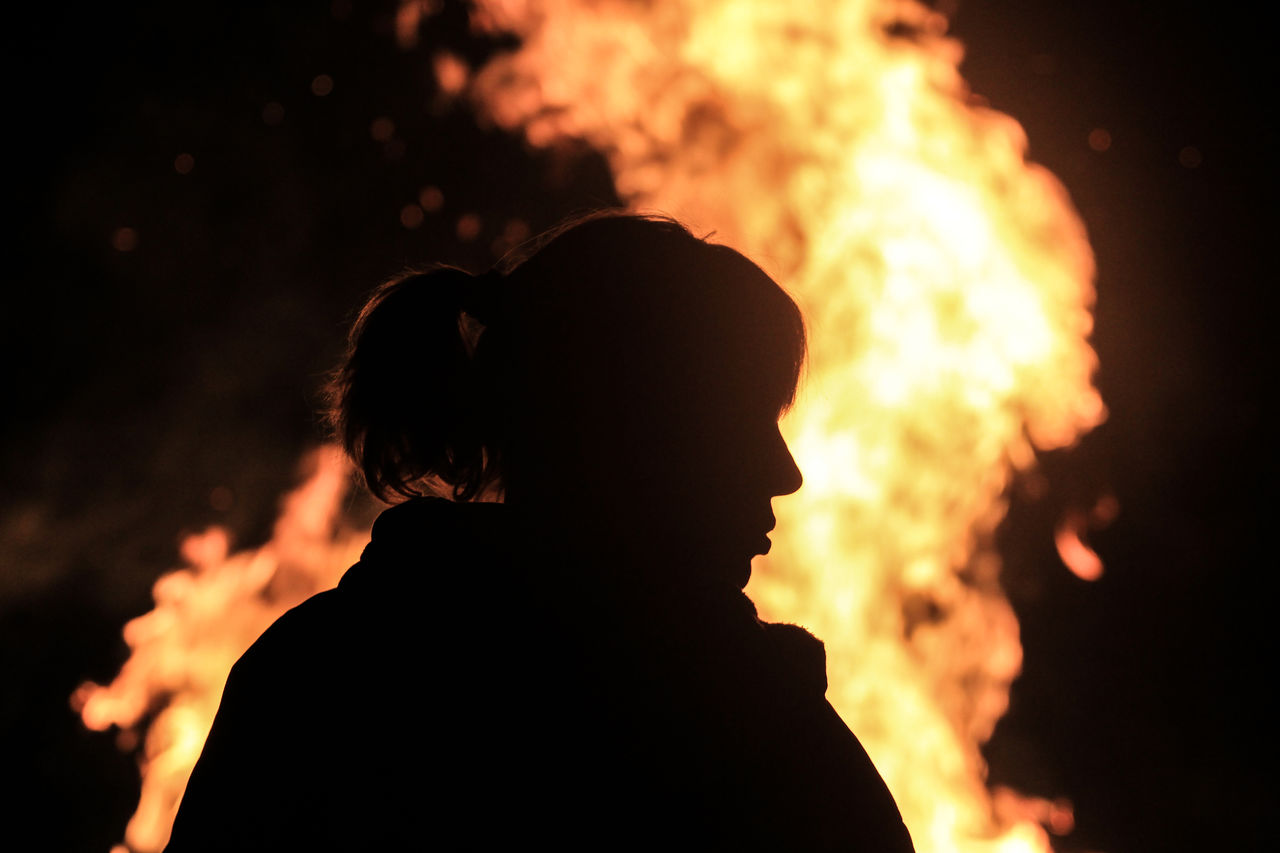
(748, 536)
(763, 543)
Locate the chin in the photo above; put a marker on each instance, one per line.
(740, 574)
(732, 564)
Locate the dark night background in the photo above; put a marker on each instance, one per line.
(140, 381)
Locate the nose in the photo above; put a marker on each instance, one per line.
(787, 478)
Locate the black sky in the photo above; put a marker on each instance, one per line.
(141, 381)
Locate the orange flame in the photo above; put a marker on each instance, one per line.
(1076, 556)
(948, 285)
(206, 615)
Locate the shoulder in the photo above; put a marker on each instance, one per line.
(310, 626)
(303, 650)
(801, 654)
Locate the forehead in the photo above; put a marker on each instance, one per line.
(644, 309)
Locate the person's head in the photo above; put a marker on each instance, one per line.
(622, 371)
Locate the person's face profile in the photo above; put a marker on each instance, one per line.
(724, 464)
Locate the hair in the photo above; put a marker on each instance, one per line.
(453, 381)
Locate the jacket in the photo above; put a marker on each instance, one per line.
(470, 685)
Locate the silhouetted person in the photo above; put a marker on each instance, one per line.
(576, 667)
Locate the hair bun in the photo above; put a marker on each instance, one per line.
(404, 403)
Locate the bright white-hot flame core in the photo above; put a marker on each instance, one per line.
(947, 285)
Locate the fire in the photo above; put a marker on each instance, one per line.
(206, 615)
(948, 285)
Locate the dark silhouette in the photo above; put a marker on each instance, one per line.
(577, 666)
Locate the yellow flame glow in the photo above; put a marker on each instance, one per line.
(948, 286)
(206, 615)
